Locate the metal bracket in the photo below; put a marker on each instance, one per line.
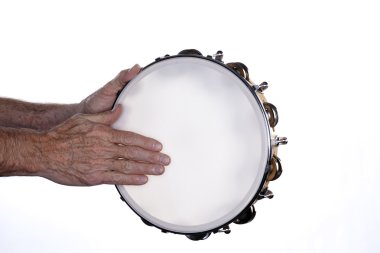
(263, 86)
(280, 141)
(218, 56)
(266, 194)
(225, 229)
(161, 58)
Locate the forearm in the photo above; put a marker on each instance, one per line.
(20, 114)
(20, 152)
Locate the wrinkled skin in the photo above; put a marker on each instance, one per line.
(85, 150)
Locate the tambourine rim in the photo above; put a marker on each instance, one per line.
(268, 137)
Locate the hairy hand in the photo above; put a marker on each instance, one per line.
(85, 150)
(103, 99)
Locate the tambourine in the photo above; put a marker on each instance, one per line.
(218, 129)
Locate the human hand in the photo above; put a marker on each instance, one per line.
(103, 99)
(85, 150)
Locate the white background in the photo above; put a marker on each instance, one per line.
(321, 59)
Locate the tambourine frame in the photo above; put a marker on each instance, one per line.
(268, 169)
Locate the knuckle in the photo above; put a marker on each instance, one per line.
(99, 129)
(131, 152)
(139, 180)
(112, 178)
(155, 157)
(123, 72)
(128, 134)
(117, 178)
(119, 79)
(137, 168)
(126, 137)
(114, 136)
(130, 137)
(128, 167)
(144, 169)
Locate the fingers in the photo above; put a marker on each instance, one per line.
(123, 172)
(136, 168)
(134, 139)
(122, 179)
(129, 145)
(86, 151)
(128, 173)
(139, 154)
(125, 76)
(123, 137)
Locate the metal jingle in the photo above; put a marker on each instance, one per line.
(246, 216)
(240, 68)
(198, 237)
(190, 52)
(276, 165)
(271, 110)
(265, 193)
(146, 222)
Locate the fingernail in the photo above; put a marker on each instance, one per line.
(165, 159)
(136, 66)
(116, 107)
(143, 180)
(157, 146)
(158, 170)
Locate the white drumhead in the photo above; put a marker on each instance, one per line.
(216, 134)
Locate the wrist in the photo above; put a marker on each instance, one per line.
(21, 152)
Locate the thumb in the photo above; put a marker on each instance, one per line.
(106, 118)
